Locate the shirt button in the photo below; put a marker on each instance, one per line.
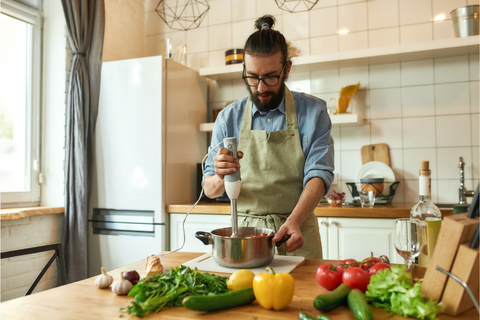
(268, 120)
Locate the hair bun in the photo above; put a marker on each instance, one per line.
(265, 23)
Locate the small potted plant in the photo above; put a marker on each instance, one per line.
(336, 199)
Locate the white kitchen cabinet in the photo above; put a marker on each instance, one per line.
(355, 238)
(342, 238)
(194, 223)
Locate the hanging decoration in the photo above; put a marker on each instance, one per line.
(182, 14)
(296, 5)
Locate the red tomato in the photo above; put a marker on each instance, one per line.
(377, 267)
(347, 261)
(369, 264)
(329, 276)
(356, 278)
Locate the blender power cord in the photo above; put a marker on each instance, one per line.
(199, 198)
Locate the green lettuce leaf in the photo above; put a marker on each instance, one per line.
(394, 291)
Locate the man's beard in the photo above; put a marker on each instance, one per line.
(274, 100)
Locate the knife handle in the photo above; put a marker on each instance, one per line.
(474, 242)
(473, 210)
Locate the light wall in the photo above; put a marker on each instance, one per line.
(423, 110)
(124, 30)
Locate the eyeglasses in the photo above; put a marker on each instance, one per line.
(269, 81)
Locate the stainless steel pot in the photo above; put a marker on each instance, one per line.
(243, 252)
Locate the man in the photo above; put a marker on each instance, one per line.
(285, 148)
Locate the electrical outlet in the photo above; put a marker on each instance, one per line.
(335, 179)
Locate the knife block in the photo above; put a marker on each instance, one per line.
(455, 298)
(455, 231)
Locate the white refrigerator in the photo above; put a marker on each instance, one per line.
(147, 146)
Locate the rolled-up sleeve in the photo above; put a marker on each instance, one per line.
(218, 133)
(226, 125)
(319, 149)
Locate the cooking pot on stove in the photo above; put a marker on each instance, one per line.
(243, 252)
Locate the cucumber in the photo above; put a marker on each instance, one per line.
(328, 301)
(359, 306)
(214, 302)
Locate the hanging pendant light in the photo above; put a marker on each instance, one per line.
(182, 14)
(296, 5)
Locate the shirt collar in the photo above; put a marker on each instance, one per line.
(280, 108)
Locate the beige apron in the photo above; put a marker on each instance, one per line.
(272, 179)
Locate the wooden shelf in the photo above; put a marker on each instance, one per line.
(338, 119)
(391, 54)
(206, 127)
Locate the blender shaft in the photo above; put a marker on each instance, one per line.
(233, 205)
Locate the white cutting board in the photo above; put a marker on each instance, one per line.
(281, 264)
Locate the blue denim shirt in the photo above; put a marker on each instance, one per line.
(314, 126)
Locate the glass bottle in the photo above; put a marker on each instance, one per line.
(428, 213)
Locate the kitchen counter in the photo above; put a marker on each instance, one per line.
(392, 211)
(83, 300)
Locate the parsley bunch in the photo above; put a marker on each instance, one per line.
(168, 289)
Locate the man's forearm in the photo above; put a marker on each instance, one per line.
(312, 193)
(213, 186)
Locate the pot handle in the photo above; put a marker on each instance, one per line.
(205, 237)
(279, 243)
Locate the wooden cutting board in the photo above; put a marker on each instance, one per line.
(375, 152)
(281, 264)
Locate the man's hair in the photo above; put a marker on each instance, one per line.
(266, 41)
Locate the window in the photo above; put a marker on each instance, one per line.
(20, 30)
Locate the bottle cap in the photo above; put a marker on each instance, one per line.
(424, 168)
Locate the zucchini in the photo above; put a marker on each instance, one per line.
(220, 301)
(359, 306)
(328, 301)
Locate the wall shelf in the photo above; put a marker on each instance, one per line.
(206, 127)
(347, 119)
(390, 54)
(337, 119)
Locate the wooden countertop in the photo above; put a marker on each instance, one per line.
(83, 300)
(392, 211)
(20, 213)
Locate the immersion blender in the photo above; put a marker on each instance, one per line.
(233, 185)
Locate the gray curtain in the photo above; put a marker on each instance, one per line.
(85, 20)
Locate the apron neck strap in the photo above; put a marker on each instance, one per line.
(290, 114)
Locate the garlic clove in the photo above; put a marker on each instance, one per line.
(121, 287)
(104, 280)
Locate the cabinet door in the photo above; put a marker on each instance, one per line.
(357, 238)
(323, 228)
(194, 223)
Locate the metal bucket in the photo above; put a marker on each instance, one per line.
(243, 252)
(466, 21)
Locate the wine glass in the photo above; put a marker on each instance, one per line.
(410, 238)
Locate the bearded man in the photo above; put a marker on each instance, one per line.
(285, 148)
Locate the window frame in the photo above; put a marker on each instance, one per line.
(31, 15)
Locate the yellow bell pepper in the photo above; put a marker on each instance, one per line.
(273, 290)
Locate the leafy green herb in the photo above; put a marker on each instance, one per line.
(394, 291)
(168, 289)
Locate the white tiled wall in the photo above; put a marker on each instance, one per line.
(424, 110)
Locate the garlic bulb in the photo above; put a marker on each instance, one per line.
(122, 286)
(104, 280)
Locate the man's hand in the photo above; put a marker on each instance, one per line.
(225, 163)
(292, 229)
